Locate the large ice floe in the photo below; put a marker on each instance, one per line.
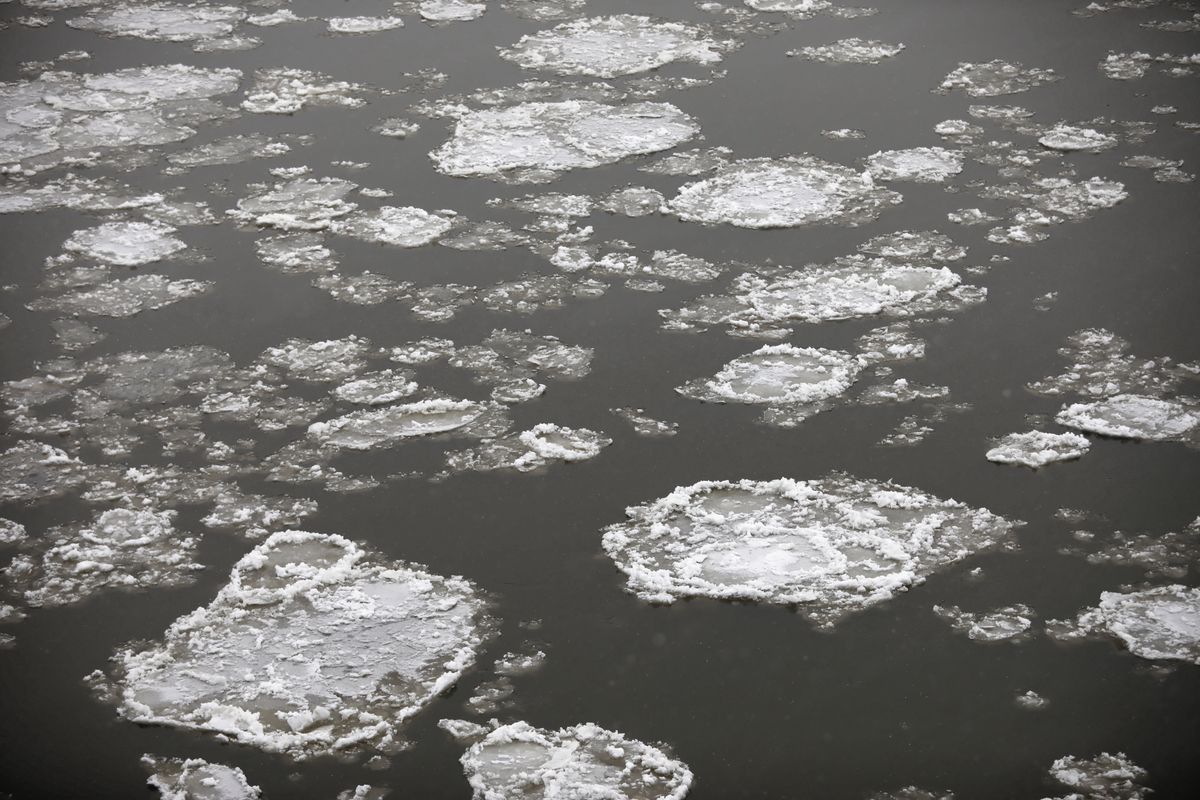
(830, 547)
(1108, 776)
(127, 244)
(776, 374)
(314, 646)
(1037, 448)
(919, 164)
(1160, 623)
(582, 761)
(369, 428)
(531, 449)
(547, 138)
(995, 78)
(782, 193)
(197, 779)
(163, 22)
(623, 44)
(1135, 416)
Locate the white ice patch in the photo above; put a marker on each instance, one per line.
(1037, 448)
(777, 375)
(377, 388)
(920, 164)
(789, 6)
(328, 360)
(583, 761)
(197, 779)
(364, 24)
(284, 90)
(554, 137)
(1158, 623)
(1069, 138)
(532, 449)
(849, 51)
(401, 227)
(127, 244)
(302, 204)
(606, 47)
(995, 78)
(782, 193)
(831, 546)
(124, 298)
(1105, 777)
(11, 532)
(1134, 416)
(1006, 623)
(450, 10)
(312, 647)
(370, 428)
(162, 22)
(645, 425)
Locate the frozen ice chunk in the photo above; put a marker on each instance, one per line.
(1158, 623)
(1135, 416)
(329, 360)
(782, 193)
(1037, 448)
(850, 51)
(644, 425)
(606, 47)
(912, 793)
(1031, 701)
(559, 136)
(1069, 138)
(1008, 622)
(126, 244)
(362, 430)
(197, 779)
(789, 6)
(377, 388)
(122, 549)
(228, 150)
(531, 449)
(11, 532)
(364, 24)
(450, 10)
(995, 78)
(1170, 554)
(284, 90)
(303, 204)
(314, 646)
(1102, 366)
(778, 374)
(583, 761)
(402, 227)
(1105, 777)
(633, 201)
(920, 164)
(831, 546)
(164, 22)
(254, 515)
(124, 298)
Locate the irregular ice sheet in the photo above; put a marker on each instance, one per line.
(553, 137)
(644, 425)
(606, 47)
(583, 761)
(920, 164)
(1037, 448)
(286, 90)
(1070, 138)
(450, 10)
(127, 244)
(782, 193)
(831, 546)
(995, 78)
(1105, 777)
(312, 647)
(531, 449)
(1162, 623)
(1008, 622)
(778, 374)
(164, 22)
(849, 51)
(1133, 416)
(363, 430)
(197, 779)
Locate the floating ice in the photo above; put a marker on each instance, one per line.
(583, 761)
(1070, 138)
(1105, 777)
(778, 374)
(364, 24)
(531, 449)
(850, 51)
(229, 150)
(1158, 623)
(329, 360)
(995, 78)
(401, 227)
(559, 136)
(831, 546)
(362, 430)
(543, 10)
(844, 133)
(689, 162)
(303, 204)
(255, 516)
(920, 164)
(912, 793)
(633, 201)
(606, 47)
(377, 388)
(1131, 66)
(124, 298)
(782, 193)
(284, 90)
(122, 549)
(1009, 622)
(163, 22)
(312, 647)
(450, 10)
(1103, 366)
(644, 425)
(10, 532)
(790, 6)
(127, 244)
(197, 779)
(512, 361)
(1134, 416)
(1037, 448)
(1170, 555)
(1031, 701)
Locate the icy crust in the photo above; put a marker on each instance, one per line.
(122, 549)
(1069, 138)
(302, 204)
(125, 297)
(1102, 366)
(994, 78)
(286, 90)
(127, 244)
(1105, 777)
(778, 374)
(313, 647)
(554, 137)
(363, 430)
(583, 761)
(782, 193)
(34, 471)
(606, 47)
(919, 164)
(450, 10)
(831, 546)
(1037, 448)
(162, 22)
(401, 227)
(1006, 623)
(849, 51)
(197, 779)
(1134, 416)
(1161, 623)
(532, 449)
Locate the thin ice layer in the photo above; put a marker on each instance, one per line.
(582, 761)
(1038, 448)
(778, 374)
(197, 779)
(313, 647)
(126, 244)
(920, 164)
(1134, 416)
(1162, 623)
(1108, 776)
(370, 428)
(830, 546)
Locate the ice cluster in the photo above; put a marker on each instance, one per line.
(1160, 623)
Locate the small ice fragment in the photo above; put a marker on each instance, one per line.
(1037, 449)
(1031, 701)
(329, 360)
(1009, 622)
(1105, 777)
(126, 244)
(377, 388)
(644, 425)
(850, 51)
(11, 532)
(920, 164)
(401, 227)
(995, 78)
(197, 779)
(1070, 138)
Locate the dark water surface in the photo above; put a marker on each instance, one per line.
(751, 697)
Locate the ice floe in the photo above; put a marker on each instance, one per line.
(830, 547)
(779, 375)
(1108, 776)
(520, 761)
(1169, 555)
(623, 44)
(644, 425)
(1038, 448)
(450, 10)
(1160, 623)
(127, 244)
(197, 779)
(1006, 623)
(163, 22)
(849, 51)
(548, 138)
(366, 429)
(995, 78)
(531, 449)
(920, 164)
(401, 227)
(363, 24)
(1134, 416)
(286, 90)
(782, 193)
(1071, 138)
(314, 646)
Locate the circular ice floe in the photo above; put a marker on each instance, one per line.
(1158, 623)
(549, 441)
(778, 374)
(1068, 137)
(126, 244)
(782, 193)
(163, 22)
(362, 430)
(559, 136)
(1134, 416)
(197, 779)
(606, 47)
(403, 227)
(1037, 448)
(920, 164)
(312, 647)
(792, 6)
(584, 761)
(450, 10)
(832, 546)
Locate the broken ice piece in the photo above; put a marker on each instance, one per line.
(1037, 449)
(1105, 777)
(1134, 416)
(1008, 622)
(1158, 623)
(197, 779)
(127, 244)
